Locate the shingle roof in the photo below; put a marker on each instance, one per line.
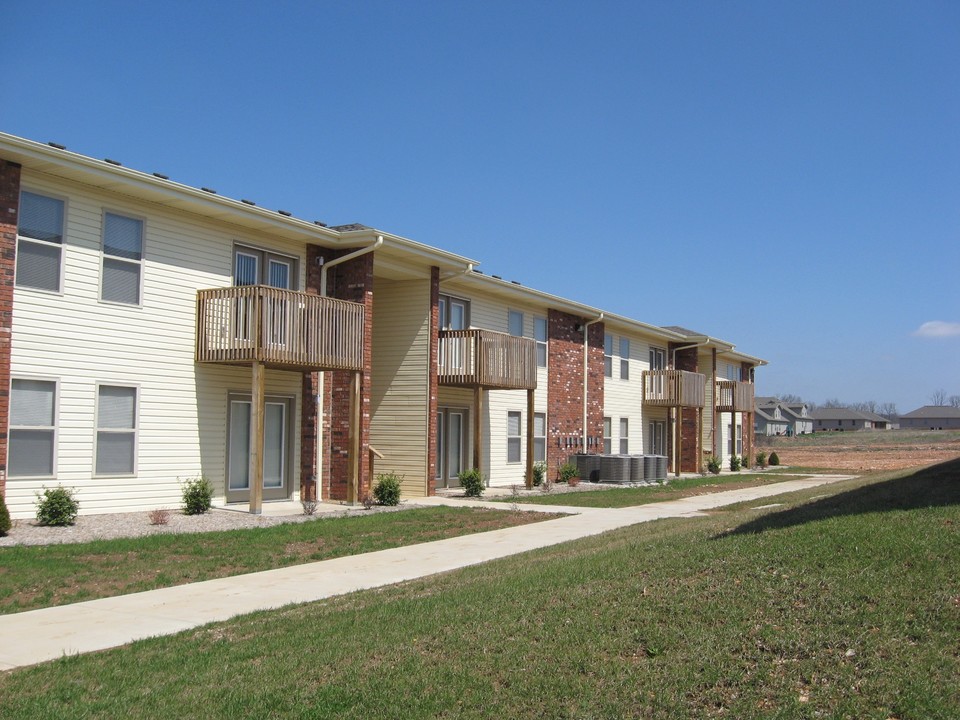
(933, 411)
(683, 331)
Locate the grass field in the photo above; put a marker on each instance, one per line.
(843, 606)
(41, 576)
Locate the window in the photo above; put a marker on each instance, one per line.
(607, 440)
(513, 437)
(608, 356)
(32, 440)
(540, 336)
(624, 359)
(624, 436)
(657, 359)
(40, 242)
(116, 430)
(539, 437)
(122, 259)
(736, 439)
(454, 313)
(734, 372)
(260, 267)
(515, 323)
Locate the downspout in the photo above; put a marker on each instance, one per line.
(586, 327)
(318, 398)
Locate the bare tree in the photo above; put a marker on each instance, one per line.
(868, 406)
(955, 401)
(790, 399)
(833, 403)
(888, 410)
(939, 398)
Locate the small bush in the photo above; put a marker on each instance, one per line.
(309, 506)
(57, 506)
(197, 496)
(566, 472)
(714, 465)
(368, 501)
(5, 522)
(761, 459)
(472, 483)
(774, 459)
(735, 463)
(387, 489)
(160, 516)
(539, 473)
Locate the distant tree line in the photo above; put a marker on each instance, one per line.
(940, 399)
(887, 409)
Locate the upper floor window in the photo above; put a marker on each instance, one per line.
(260, 267)
(515, 323)
(540, 336)
(33, 412)
(624, 359)
(122, 276)
(734, 372)
(454, 313)
(40, 242)
(608, 355)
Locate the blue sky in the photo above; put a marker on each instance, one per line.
(785, 176)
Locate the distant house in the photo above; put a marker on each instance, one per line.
(932, 417)
(776, 418)
(845, 419)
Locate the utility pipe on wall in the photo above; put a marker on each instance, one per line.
(318, 399)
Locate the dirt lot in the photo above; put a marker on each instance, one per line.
(866, 450)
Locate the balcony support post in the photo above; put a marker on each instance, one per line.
(353, 456)
(678, 434)
(477, 426)
(256, 439)
(530, 410)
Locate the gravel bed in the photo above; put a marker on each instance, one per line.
(137, 524)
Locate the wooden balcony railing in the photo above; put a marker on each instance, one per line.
(733, 396)
(280, 328)
(673, 388)
(483, 358)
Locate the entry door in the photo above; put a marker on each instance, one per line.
(451, 445)
(657, 436)
(276, 449)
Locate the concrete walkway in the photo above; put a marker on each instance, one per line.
(37, 636)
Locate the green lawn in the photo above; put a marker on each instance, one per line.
(845, 607)
(41, 576)
(629, 496)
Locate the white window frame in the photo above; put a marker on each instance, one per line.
(135, 430)
(513, 317)
(46, 243)
(624, 436)
(264, 257)
(541, 342)
(624, 358)
(55, 428)
(658, 358)
(539, 441)
(608, 355)
(516, 440)
(607, 436)
(104, 255)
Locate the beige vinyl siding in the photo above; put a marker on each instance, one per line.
(706, 368)
(624, 398)
(400, 386)
(81, 341)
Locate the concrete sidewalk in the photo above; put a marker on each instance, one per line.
(40, 635)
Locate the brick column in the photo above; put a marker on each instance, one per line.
(434, 381)
(9, 207)
(687, 359)
(565, 388)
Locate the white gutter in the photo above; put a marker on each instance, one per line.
(586, 327)
(318, 399)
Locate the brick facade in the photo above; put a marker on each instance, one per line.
(353, 280)
(9, 207)
(565, 388)
(687, 359)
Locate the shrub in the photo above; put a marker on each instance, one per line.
(567, 471)
(57, 506)
(197, 496)
(387, 489)
(368, 501)
(5, 523)
(714, 465)
(735, 463)
(160, 516)
(539, 473)
(472, 482)
(309, 507)
(761, 459)
(774, 459)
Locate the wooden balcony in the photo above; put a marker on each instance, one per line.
(674, 388)
(282, 329)
(733, 396)
(487, 359)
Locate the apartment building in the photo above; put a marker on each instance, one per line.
(154, 332)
